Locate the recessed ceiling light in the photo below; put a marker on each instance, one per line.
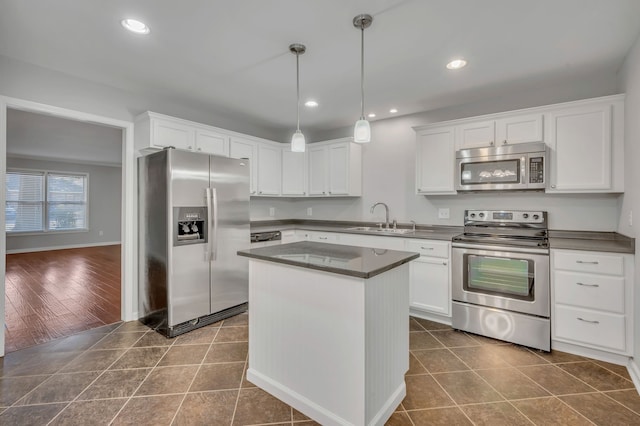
(371, 115)
(393, 110)
(311, 104)
(135, 26)
(456, 64)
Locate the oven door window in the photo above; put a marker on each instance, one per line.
(502, 171)
(500, 276)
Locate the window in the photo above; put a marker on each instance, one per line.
(41, 201)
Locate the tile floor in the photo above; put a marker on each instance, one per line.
(127, 374)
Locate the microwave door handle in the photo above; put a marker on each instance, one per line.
(523, 170)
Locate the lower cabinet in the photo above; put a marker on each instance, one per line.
(592, 297)
(430, 277)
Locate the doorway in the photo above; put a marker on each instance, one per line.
(127, 226)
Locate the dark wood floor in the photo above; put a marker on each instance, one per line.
(51, 294)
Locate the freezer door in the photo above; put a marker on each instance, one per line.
(229, 232)
(189, 289)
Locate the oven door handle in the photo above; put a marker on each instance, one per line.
(490, 247)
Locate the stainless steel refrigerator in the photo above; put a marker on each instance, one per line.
(193, 218)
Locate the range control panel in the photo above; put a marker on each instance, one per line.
(505, 216)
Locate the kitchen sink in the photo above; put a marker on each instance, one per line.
(381, 230)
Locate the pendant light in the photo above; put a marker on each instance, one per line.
(362, 130)
(297, 140)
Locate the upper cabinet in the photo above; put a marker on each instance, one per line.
(510, 129)
(294, 173)
(435, 160)
(585, 140)
(586, 144)
(245, 148)
(269, 169)
(335, 168)
(160, 131)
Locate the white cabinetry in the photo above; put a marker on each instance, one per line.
(592, 297)
(158, 131)
(269, 169)
(476, 134)
(335, 169)
(435, 160)
(244, 148)
(586, 147)
(294, 173)
(212, 142)
(509, 129)
(430, 278)
(519, 129)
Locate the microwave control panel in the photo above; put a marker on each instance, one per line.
(536, 170)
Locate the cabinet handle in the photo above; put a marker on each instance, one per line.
(323, 192)
(584, 262)
(199, 149)
(504, 142)
(444, 263)
(260, 192)
(426, 248)
(588, 285)
(322, 238)
(590, 322)
(553, 186)
(491, 143)
(190, 147)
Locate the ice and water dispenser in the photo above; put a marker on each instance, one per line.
(189, 225)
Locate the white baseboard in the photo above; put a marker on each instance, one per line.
(590, 353)
(429, 316)
(71, 246)
(634, 372)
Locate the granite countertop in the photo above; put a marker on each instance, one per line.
(593, 241)
(558, 239)
(427, 232)
(361, 262)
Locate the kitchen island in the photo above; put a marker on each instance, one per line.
(328, 331)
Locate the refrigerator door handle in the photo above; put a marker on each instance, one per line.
(213, 241)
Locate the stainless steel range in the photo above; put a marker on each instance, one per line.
(500, 277)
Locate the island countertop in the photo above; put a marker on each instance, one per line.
(361, 262)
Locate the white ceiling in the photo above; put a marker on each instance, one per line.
(233, 56)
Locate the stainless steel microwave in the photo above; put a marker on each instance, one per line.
(519, 167)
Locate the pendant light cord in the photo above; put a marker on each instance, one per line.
(298, 91)
(362, 72)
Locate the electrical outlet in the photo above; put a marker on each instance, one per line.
(630, 218)
(443, 213)
(309, 211)
(100, 233)
(272, 211)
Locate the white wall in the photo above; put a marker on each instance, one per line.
(29, 82)
(630, 84)
(389, 172)
(105, 193)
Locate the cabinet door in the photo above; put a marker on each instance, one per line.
(317, 170)
(477, 134)
(519, 129)
(338, 169)
(580, 140)
(167, 133)
(269, 170)
(242, 148)
(435, 161)
(429, 285)
(294, 173)
(212, 143)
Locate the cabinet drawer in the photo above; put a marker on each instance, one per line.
(593, 328)
(323, 237)
(589, 262)
(429, 248)
(600, 292)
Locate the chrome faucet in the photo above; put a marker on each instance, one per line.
(386, 208)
